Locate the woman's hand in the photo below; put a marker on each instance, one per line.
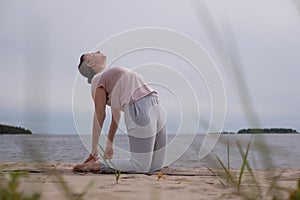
(109, 151)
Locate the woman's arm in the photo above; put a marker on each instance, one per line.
(116, 114)
(95, 137)
(99, 117)
(100, 103)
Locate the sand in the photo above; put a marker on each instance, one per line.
(176, 183)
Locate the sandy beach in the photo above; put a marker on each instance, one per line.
(49, 179)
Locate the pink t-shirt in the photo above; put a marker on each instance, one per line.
(123, 86)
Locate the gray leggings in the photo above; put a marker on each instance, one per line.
(146, 125)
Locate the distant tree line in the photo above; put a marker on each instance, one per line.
(267, 130)
(6, 129)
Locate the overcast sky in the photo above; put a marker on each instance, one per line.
(41, 41)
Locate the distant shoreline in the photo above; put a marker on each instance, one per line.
(13, 130)
(267, 130)
(264, 131)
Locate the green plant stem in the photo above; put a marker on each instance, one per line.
(256, 183)
(228, 159)
(228, 174)
(245, 162)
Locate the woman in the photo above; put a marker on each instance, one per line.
(124, 91)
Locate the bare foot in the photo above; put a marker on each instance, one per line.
(89, 165)
(91, 157)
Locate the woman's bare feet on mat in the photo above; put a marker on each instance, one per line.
(91, 164)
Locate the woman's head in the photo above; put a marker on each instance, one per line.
(91, 64)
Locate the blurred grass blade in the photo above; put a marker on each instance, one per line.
(245, 162)
(229, 176)
(228, 159)
(224, 43)
(250, 169)
(212, 171)
(273, 187)
(297, 4)
(118, 175)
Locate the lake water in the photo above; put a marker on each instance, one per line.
(283, 150)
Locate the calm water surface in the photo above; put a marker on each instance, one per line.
(284, 150)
